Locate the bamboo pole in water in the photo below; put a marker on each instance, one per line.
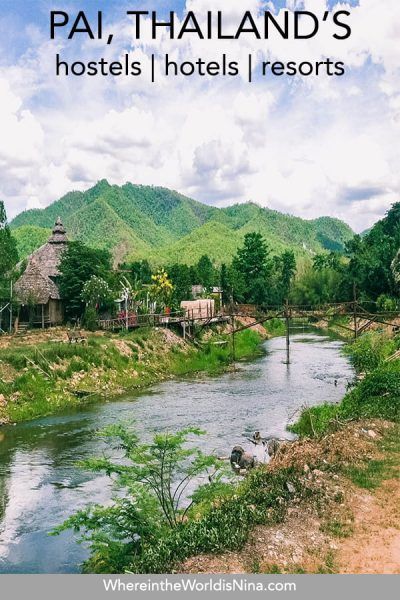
(233, 342)
(287, 332)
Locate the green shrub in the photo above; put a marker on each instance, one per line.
(275, 327)
(262, 498)
(315, 421)
(152, 529)
(90, 319)
(376, 396)
(370, 350)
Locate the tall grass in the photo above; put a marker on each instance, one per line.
(45, 373)
(214, 357)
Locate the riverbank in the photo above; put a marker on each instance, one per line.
(306, 510)
(43, 374)
(339, 509)
(343, 514)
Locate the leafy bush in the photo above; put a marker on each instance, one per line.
(151, 529)
(90, 319)
(260, 499)
(377, 396)
(155, 477)
(387, 303)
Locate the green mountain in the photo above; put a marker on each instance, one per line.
(135, 221)
(29, 238)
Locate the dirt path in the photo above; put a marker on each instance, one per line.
(374, 546)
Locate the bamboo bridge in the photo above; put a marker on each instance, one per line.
(362, 314)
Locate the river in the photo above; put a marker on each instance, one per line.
(40, 484)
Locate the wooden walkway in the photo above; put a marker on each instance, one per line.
(161, 320)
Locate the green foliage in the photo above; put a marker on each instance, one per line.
(97, 293)
(154, 478)
(318, 283)
(387, 303)
(144, 222)
(371, 349)
(376, 396)
(253, 263)
(79, 263)
(286, 268)
(29, 238)
(8, 246)
(141, 271)
(256, 278)
(371, 269)
(181, 279)
(151, 529)
(205, 272)
(275, 327)
(315, 421)
(261, 499)
(90, 318)
(214, 358)
(374, 258)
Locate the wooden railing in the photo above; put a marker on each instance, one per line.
(132, 321)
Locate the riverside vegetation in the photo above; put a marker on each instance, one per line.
(150, 529)
(39, 377)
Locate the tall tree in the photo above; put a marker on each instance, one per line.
(78, 264)
(8, 246)
(205, 272)
(224, 283)
(254, 264)
(285, 267)
(180, 278)
(141, 271)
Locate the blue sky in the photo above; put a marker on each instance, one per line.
(307, 146)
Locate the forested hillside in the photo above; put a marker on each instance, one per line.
(161, 225)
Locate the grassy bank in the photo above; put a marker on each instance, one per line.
(39, 377)
(377, 395)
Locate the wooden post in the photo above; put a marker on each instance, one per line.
(42, 316)
(287, 332)
(233, 342)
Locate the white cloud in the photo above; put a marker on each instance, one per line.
(309, 147)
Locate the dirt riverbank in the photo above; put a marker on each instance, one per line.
(349, 524)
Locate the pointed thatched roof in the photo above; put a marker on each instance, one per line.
(37, 284)
(48, 256)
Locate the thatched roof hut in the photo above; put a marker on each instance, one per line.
(34, 286)
(37, 288)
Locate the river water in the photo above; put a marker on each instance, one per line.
(40, 484)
